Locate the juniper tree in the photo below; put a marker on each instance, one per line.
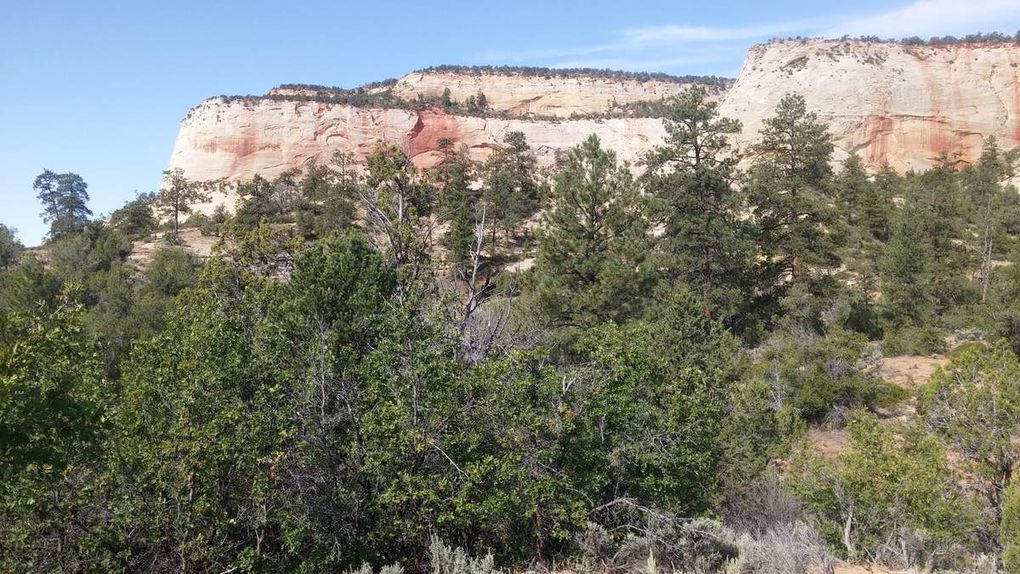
(256, 203)
(135, 219)
(973, 405)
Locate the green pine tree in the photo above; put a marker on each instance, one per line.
(593, 256)
(692, 177)
(789, 187)
(510, 191)
(906, 271)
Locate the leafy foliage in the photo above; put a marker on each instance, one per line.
(974, 406)
(10, 247)
(136, 219)
(889, 499)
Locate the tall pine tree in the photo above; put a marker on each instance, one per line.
(789, 187)
(692, 177)
(594, 247)
(906, 272)
(65, 199)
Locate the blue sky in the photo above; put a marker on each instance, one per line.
(98, 88)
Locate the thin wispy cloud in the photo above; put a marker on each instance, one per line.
(932, 18)
(631, 40)
(641, 63)
(673, 34)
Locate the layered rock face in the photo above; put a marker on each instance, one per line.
(235, 140)
(888, 102)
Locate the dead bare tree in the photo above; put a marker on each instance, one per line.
(481, 323)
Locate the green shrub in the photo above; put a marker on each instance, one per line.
(136, 219)
(820, 373)
(889, 395)
(910, 340)
(10, 247)
(966, 348)
(1009, 531)
(890, 499)
(172, 269)
(197, 220)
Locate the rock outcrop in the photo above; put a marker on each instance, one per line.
(886, 101)
(236, 138)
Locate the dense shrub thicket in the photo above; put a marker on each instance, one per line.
(362, 377)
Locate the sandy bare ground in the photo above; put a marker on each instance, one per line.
(867, 569)
(191, 238)
(909, 372)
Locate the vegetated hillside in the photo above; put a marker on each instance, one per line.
(513, 91)
(742, 360)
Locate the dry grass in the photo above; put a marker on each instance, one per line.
(910, 371)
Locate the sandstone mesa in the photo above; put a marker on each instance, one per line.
(904, 105)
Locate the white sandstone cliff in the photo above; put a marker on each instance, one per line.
(885, 101)
(234, 140)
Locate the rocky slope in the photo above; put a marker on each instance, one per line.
(888, 102)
